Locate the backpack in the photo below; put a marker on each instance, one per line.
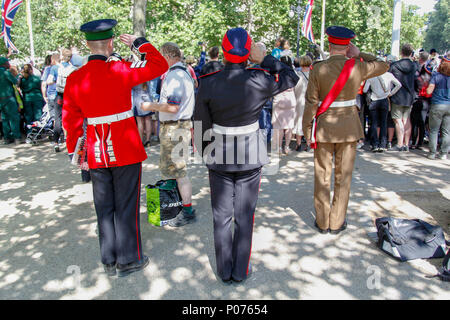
(63, 73)
(185, 70)
(406, 239)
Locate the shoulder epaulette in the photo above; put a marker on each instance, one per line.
(114, 57)
(315, 63)
(318, 61)
(260, 69)
(206, 75)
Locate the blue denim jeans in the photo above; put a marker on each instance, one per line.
(378, 111)
(265, 122)
(439, 117)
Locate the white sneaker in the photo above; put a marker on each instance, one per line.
(443, 156)
(431, 156)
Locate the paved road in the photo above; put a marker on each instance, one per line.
(49, 247)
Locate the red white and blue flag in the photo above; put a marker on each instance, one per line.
(307, 22)
(9, 9)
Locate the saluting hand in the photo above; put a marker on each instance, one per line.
(127, 39)
(256, 54)
(353, 51)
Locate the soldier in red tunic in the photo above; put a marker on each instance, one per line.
(100, 92)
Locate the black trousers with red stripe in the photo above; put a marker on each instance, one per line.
(233, 194)
(117, 203)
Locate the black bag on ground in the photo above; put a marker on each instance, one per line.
(163, 202)
(406, 239)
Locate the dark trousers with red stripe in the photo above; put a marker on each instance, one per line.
(117, 203)
(233, 194)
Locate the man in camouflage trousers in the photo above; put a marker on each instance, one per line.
(175, 107)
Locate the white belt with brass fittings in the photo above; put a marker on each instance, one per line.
(110, 119)
(236, 130)
(339, 104)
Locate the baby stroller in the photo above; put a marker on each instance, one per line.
(39, 130)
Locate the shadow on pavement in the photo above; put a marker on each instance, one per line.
(49, 246)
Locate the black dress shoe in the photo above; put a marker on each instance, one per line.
(227, 281)
(126, 269)
(110, 269)
(248, 275)
(344, 226)
(320, 230)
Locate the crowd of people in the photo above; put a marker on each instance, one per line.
(395, 108)
(270, 97)
(402, 104)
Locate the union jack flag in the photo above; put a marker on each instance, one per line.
(9, 9)
(307, 22)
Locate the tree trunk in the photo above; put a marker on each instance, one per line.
(139, 15)
(250, 17)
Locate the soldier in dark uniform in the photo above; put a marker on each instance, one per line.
(228, 106)
(100, 92)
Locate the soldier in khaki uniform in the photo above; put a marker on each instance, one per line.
(339, 128)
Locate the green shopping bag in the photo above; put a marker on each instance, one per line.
(163, 202)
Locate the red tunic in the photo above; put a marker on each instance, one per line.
(103, 88)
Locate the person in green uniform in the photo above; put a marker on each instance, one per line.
(32, 96)
(8, 104)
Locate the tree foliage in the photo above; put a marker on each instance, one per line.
(438, 31)
(186, 22)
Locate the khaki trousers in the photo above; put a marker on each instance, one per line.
(332, 217)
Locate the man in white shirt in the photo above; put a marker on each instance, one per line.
(382, 87)
(175, 107)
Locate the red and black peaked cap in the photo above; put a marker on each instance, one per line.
(340, 35)
(236, 45)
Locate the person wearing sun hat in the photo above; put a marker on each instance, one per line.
(331, 123)
(228, 106)
(8, 104)
(100, 92)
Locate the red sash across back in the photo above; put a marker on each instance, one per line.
(331, 96)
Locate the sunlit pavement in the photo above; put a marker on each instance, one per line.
(49, 247)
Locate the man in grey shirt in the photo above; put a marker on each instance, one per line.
(175, 107)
